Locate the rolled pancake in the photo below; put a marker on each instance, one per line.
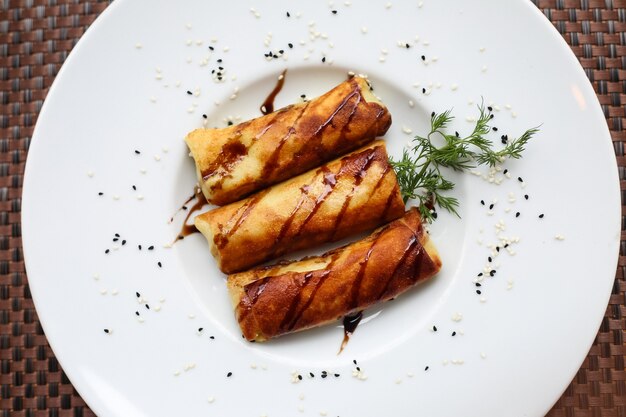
(289, 297)
(352, 194)
(233, 162)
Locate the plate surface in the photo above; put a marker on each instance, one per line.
(125, 88)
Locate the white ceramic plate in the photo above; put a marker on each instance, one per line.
(123, 88)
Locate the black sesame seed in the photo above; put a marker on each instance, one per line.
(115, 239)
(490, 206)
(135, 187)
(478, 292)
(230, 123)
(457, 134)
(282, 51)
(213, 71)
(324, 375)
(423, 90)
(482, 202)
(139, 246)
(491, 116)
(300, 377)
(219, 61)
(150, 247)
(506, 245)
(302, 95)
(106, 330)
(432, 114)
(106, 251)
(489, 108)
(136, 313)
(497, 248)
(492, 272)
(480, 274)
(137, 152)
(123, 242)
(354, 361)
(453, 333)
(541, 216)
(220, 68)
(204, 116)
(288, 15)
(137, 294)
(324, 59)
(117, 235)
(505, 171)
(290, 45)
(478, 284)
(426, 369)
(100, 193)
(407, 45)
(358, 369)
(212, 337)
(517, 214)
(189, 92)
(423, 58)
(200, 329)
(147, 307)
(435, 215)
(520, 179)
(159, 263)
(489, 259)
(311, 374)
(228, 375)
(184, 208)
(334, 11)
(434, 328)
(337, 375)
(526, 196)
(211, 48)
(495, 129)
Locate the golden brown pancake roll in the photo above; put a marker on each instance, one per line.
(236, 161)
(289, 297)
(352, 194)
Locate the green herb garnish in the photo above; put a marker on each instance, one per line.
(419, 170)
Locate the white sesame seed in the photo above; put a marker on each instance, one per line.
(398, 381)
(90, 174)
(347, 3)
(388, 5)
(484, 68)
(226, 48)
(140, 197)
(483, 300)
(157, 308)
(482, 49)
(157, 158)
(103, 291)
(425, 42)
(323, 413)
(411, 103)
(559, 237)
(513, 114)
(406, 130)
(470, 119)
(364, 29)
(211, 399)
(191, 316)
(454, 87)
(457, 317)
(176, 373)
(507, 106)
(140, 319)
(381, 59)
(116, 197)
(188, 26)
(445, 362)
(410, 374)
(188, 42)
(420, 4)
(96, 276)
(301, 409)
(384, 51)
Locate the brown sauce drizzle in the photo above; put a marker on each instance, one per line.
(230, 154)
(188, 229)
(350, 322)
(221, 239)
(268, 105)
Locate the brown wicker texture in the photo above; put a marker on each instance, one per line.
(35, 38)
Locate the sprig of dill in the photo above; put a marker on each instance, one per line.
(419, 171)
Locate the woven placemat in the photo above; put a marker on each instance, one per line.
(36, 37)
